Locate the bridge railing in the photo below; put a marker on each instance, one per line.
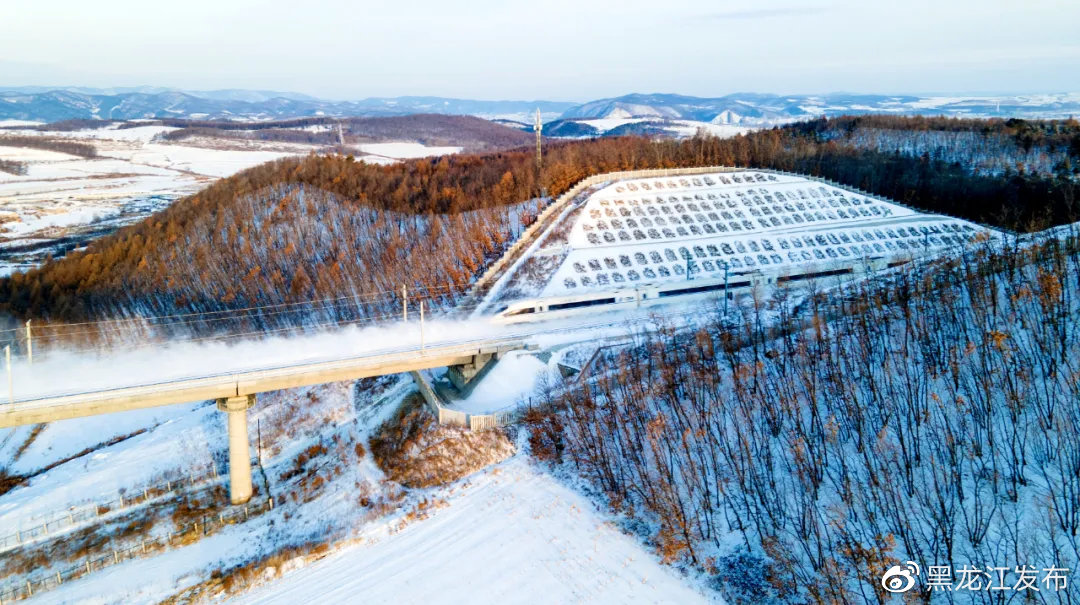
(479, 422)
(452, 417)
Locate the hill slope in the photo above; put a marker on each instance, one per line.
(928, 416)
(433, 130)
(316, 228)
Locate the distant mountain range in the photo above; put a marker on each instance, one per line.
(231, 94)
(50, 105)
(753, 109)
(741, 109)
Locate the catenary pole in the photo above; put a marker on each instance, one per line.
(10, 381)
(725, 290)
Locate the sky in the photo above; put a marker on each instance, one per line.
(571, 50)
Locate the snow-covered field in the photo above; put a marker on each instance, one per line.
(509, 383)
(175, 434)
(512, 534)
(72, 199)
(182, 440)
(403, 151)
(130, 162)
(674, 127)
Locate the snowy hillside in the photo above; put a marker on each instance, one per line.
(44, 104)
(669, 449)
(682, 116)
(724, 230)
(507, 535)
(60, 201)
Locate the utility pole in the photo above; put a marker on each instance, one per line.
(691, 266)
(421, 324)
(29, 344)
(404, 304)
(10, 382)
(725, 289)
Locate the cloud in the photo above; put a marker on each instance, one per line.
(765, 13)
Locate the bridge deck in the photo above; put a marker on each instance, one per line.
(104, 401)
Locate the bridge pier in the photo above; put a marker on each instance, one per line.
(461, 375)
(239, 446)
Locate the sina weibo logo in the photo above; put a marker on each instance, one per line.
(900, 578)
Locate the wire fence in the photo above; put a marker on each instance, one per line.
(38, 341)
(57, 522)
(183, 535)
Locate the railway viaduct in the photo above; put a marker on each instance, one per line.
(236, 392)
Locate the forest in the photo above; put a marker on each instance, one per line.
(1025, 134)
(85, 150)
(195, 256)
(471, 133)
(71, 125)
(933, 418)
(13, 167)
(995, 146)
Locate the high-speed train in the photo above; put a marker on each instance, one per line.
(649, 294)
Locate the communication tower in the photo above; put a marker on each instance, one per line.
(538, 128)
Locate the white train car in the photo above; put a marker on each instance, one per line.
(651, 294)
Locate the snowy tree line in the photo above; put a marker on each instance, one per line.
(294, 257)
(85, 150)
(993, 154)
(472, 133)
(933, 418)
(13, 167)
(993, 147)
